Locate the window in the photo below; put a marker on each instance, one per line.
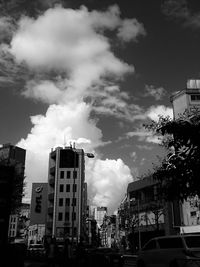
(74, 201)
(68, 174)
(150, 245)
(61, 187)
(75, 174)
(60, 216)
(66, 216)
(62, 174)
(195, 97)
(73, 216)
(170, 243)
(74, 187)
(67, 202)
(68, 188)
(60, 202)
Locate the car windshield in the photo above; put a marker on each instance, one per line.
(192, 241)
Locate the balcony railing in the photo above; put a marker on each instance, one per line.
(52, 170)
(51, 196)
(50, 210)
(52, 181)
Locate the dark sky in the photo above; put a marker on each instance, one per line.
(165, 54)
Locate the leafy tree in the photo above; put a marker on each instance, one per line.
(178, 173)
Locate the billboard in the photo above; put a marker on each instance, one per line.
(38, 203)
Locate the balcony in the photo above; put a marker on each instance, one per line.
(51, 196)
(52, 181)
(50, 224)
(53, 155)
(52, 170)
(50, 210)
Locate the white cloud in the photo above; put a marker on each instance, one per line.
(71, 48)
(144, 135)
(144, 147)
(154, 112)
(130, 30)
(7, 28)
(133, 155)
(60, 124)
(73, 44)
(157, 93)
(108, 180)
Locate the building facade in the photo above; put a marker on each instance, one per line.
(38, 213)
(19, 224)
(12, 162)
(99, 214)
(67, 201)
(188, 99)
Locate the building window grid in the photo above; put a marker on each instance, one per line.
(61, 188)
(62, 174)
(68, 174)
(67, 187)
(67, 202)
(74, 187)
(73, 201)
(60, 202)
(195, 97)
(60, 216)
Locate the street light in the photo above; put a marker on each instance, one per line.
(89, 155)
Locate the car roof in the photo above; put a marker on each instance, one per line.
(174, 236)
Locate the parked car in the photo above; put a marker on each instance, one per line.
(171, 251)
(103, 256)
(36, 251)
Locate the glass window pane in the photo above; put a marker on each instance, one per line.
(170, 243)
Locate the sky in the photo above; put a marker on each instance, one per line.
(93, 72)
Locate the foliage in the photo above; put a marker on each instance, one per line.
(178, 173)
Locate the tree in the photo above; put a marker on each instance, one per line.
(178, 172)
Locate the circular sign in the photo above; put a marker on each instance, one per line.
(38, 189)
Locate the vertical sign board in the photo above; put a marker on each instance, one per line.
(38, 203)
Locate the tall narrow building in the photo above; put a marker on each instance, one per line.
(12, 164)
(66, 193)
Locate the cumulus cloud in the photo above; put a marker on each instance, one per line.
(144, 147)
(154, 112)
(59, 124)
(181, 11)
(144, 135)
(130, 30)
(73, 44)
(133, 155)
(7, 28)
(108, 180)
(72, 60)
(157, 93)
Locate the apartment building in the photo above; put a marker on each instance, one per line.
(188, 99)
(67, 192)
